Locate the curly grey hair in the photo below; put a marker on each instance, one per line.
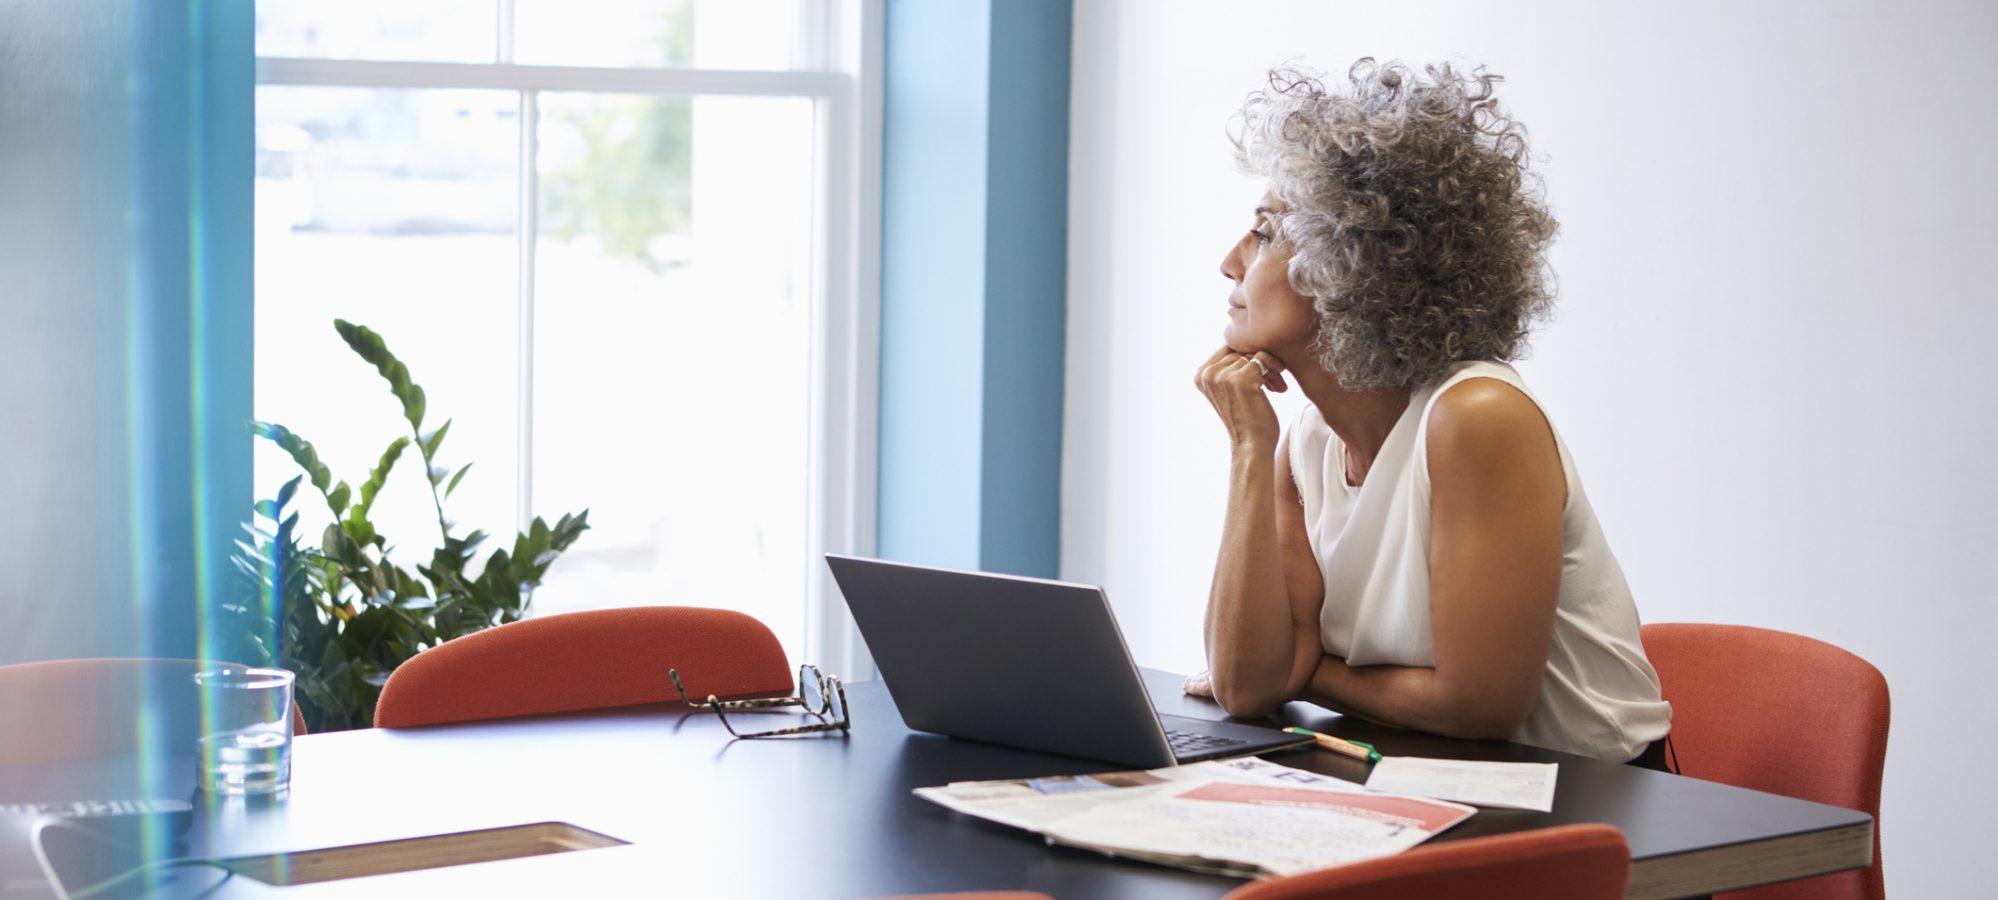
(1413, 222)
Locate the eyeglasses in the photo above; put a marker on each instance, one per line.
(821, 696)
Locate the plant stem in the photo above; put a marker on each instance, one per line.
(436, 499)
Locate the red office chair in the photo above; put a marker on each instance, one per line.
(90, 709)
(585, 660)
(1571, 862)
(1781, 713)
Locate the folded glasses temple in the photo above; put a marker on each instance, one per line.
(714, 701)
(802, 729)
(824, 724)
(752, 703)
(829, 687)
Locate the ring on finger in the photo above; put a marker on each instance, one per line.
(1265, 370)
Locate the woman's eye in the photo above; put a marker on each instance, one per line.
(1261, 238)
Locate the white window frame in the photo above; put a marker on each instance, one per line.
(841, 41)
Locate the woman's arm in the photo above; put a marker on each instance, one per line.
(1261, 626)
(1497, 490)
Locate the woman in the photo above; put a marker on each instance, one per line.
(1417, 549)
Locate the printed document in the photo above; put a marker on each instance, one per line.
(1500, 784)
(1242, 817)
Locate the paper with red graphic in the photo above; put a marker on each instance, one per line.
(1389, 809)
(1243, 817)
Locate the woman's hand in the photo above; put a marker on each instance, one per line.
(1200, 685)
(1234, 384)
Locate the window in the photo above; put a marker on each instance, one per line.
(620, 247)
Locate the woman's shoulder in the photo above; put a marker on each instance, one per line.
(1482, 399)
(1485, 429)
(1471, 371)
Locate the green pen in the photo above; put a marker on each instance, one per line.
(1355, 749)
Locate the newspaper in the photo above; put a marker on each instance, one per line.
(1242, 817)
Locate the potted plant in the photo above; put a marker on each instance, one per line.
(342, 614)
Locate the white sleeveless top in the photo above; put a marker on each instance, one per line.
(1599, 697)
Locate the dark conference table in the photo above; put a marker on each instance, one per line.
(834, 817)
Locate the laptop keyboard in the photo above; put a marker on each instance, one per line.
(1186, 743)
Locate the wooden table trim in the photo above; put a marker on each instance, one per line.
(1752, 863)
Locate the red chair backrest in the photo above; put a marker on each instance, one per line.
(1570, 862)
(90, 709)
(1781, 713)
(586, 660)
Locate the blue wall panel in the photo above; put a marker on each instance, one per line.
(932, 326)
(974, 242)
(1026, 288)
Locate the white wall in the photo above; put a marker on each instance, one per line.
(1771, 353)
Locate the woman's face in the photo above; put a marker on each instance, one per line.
(1264, 313)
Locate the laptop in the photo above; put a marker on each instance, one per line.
(1023, 662)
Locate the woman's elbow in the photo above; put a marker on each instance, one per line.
(1491, 728)
(1243, 702)
(1485, 715)
(1489, 718)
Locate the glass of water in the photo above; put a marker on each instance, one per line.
(246, 729)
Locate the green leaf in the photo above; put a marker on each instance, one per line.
(413, 405)
(267, 509)
(569, 528)
(379, 477)
(299, 449)
(435, 438)
(361, 532)
(338, 498)
(341, 547)
(369, 346)
(457, 478)
(284, 493)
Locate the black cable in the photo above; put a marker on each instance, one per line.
(227, 873)
(91, 890)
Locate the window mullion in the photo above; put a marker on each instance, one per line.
(404, 75)
(503, 53)
(528, 228)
